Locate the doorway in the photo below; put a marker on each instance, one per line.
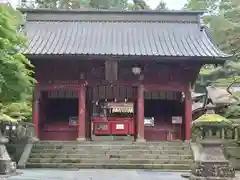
(59, 120)
(159, 112)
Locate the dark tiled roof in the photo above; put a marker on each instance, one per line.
(166, 37)
(220, 96)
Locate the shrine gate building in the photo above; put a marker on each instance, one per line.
(115, 73)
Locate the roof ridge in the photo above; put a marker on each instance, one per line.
(45, 10)
(115, 21)
(105, 16)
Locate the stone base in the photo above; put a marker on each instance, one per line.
(213, 170)
(210, 162)
(7, 167)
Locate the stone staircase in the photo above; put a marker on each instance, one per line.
(111, 155)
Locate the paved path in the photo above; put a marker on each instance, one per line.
(94, 174)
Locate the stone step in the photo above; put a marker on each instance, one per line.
(147, 156)
(83, 151)
(109, 166)
(150, 147)
(107, 160)
(97, 149)
(119, 143)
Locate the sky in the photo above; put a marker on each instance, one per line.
(172, 4)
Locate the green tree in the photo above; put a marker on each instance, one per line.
(162, 6)
(223, 19)
(15, 70)
(89, 4)
(140, 5)
(45, 3)
(109, 4)
(78, 4)
(202, 5)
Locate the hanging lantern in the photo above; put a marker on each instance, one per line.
(136, 70)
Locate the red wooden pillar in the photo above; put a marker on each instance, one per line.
(36, 109)
(140, 114)
(188, 114)
(82, 113)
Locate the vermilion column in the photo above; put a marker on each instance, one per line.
(81, 113)
(36, 97)
(140, 114)
(188, 114)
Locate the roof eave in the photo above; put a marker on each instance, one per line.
(204, 60)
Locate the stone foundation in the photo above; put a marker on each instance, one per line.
(210, 163)
(212, 170)
(7, 167)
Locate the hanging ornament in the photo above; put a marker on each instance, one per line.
(125, 100)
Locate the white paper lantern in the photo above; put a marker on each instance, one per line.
(136, 70)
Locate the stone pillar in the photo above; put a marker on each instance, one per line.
(82, 113)
(140, 114)
(236, 133)
(36, 109)
(188, 115)
(223, 133)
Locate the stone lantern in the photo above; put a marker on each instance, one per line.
(209, 159)
(6, 164)
(211, 125)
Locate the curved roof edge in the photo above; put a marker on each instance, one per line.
(209, 35)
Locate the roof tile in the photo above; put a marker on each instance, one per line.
(119, 38)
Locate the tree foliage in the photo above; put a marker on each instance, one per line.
(15, 69)
(223, 18)
(87, 4)
(162, 6)
(202, 5)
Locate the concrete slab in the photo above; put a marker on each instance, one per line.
(94, 174)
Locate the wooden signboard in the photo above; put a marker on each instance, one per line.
(149, 121)
(176, 120)
(121, 107)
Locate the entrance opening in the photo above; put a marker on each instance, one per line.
(61, 110)
(163, 118)
(61, 116)
(113, 112)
